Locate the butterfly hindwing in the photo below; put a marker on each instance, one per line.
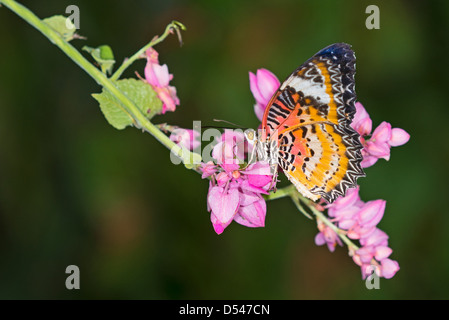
(310, 115)
(320, 159)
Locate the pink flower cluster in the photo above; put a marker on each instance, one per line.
(235, 194)
(380, 141)
(159, 77)
(359, 221)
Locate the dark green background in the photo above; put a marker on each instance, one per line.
(73, 190)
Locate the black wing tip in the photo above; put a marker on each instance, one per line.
(339, 49)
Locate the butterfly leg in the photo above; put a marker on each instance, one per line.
(274, 180)
(252, 157)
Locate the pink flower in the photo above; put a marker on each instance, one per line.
(235, 194)
(382, 139)
(389, 268)
(359, 219)
(186, 138)
(159, 77)
(327, 236)
(230, 149)
(263, 85)
(208, 169)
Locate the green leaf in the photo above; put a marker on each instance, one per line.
(104, 57)
(62, 25)
(141, 93)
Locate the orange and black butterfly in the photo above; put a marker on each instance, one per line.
(307, 126)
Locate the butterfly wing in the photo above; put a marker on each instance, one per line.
(310, 115)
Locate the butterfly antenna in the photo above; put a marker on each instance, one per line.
(232, 124)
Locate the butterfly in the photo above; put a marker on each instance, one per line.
(306, 127)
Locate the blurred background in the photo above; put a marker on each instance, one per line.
(73, 190)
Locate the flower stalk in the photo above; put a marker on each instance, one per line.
(174, 26)
(297, 199)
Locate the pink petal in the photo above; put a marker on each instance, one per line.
(372, 213)
(353, 234)
(378, 237)
(222, 151)
(259, 180)
(382, 252)
(230, 149)
(352, 196)
(207, 169)
(248, 197)
(152, 56)
(319, 239)
(382, 133)
(223, 204)
(268, 83)
(368, 161)
(246, 186)
(363, 127)
(366, 254)
(363, 231)
(331, 246)
(378, 149)
(230, 165)
(185, 137)
(356, 259)
(263, 86)
(172, 92)
(389, 268)
(360, 114)
(157, 75)
(260, 168)
(368, 269)
(254, 87)
(233, 136)
(169, 104)
(217, 225)
(398, 137)
(344, 216)
(252, 215)
(347, 223)
(222, 178)
(259, 111)
(235, 141)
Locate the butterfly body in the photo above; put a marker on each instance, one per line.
(306, 126)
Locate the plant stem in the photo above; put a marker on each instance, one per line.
(319, 215)
(291, 192)
(140, 121)
(280, 193)
(174, 25)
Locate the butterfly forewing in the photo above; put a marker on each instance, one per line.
(310, 115)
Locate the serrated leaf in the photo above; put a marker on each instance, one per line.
(113, 111)
(141, 93)
(103, 55)
(62, 25)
